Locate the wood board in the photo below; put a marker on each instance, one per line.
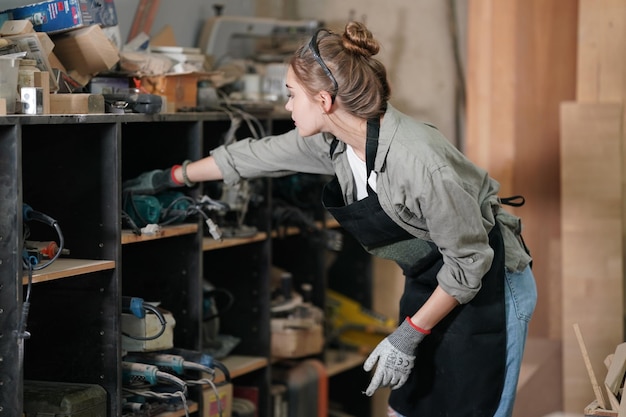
(592, 255)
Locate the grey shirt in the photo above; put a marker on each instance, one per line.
(424, 184)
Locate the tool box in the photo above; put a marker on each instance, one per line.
(55, 16)
(62, 399)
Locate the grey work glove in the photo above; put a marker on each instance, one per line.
(395, 356)
(151, 182)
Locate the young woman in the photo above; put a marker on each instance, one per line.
(408, 195)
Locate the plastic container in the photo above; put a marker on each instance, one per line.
(26, 73)
(9, 69)
(25, 78)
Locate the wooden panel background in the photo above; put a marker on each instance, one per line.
(526, 60)
(592, 206)
(521, 65)
(593, 183)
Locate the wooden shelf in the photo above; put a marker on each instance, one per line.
(168, 231)
(212, 244)
(240, 365)
(338, 361)
(64, 268)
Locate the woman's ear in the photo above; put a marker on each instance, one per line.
(326, 101)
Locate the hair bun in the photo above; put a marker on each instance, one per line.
(358, 39)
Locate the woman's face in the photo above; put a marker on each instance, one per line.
(305, 110)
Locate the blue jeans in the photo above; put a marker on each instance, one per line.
(520, 298)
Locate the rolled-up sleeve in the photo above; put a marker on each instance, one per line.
(457, 226)
(273, 156)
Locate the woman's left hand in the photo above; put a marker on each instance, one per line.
(395, 357)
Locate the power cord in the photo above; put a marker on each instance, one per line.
(140, 375)
(142, 365)
(170, 208)
(138, 308)
(31, 263)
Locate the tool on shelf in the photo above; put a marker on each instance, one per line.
(44, 249)
(147, 381)
(179, 365)
(354, 326)
(296, 324)
(169, 207)
(32, 261)
(138, 307)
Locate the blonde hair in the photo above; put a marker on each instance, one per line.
(362, 86)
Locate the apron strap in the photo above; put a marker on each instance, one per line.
(371, 146)
(513, 201)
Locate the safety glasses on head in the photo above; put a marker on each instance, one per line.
(316, 54)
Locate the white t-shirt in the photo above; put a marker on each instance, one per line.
(359, 170)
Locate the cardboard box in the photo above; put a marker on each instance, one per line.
(209, 401)
(190, 59)
(86, 51)
(181, 90)
(38, 46)
(16, 27)
(302, 339)
(55, 16)
(79, 103)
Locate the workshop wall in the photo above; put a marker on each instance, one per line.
(417, 38)
(418, 47)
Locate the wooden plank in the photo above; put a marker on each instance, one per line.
(212, 244)
(601, 43)
(617, 369)
(65, 268)
(613, 401)
(239, 365)
(591, 224)
(168, 231)
(144, 18)
(78, 103)
(597, 389)
(521, 65)
(622, 408)
(338, 361)
(491, 86)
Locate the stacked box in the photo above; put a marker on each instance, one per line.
(55, 16)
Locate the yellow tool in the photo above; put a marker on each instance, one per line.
(354, 325)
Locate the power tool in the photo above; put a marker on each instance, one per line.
(353, 325)
(169, 207)
(141, 374)
(179, 361)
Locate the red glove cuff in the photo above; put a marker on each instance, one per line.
(416, 327)
(174, 180)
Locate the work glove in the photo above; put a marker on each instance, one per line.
(151, 182)
(395, 356)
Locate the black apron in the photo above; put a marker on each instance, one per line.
(459, 368)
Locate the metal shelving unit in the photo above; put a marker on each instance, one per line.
(71, 167)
